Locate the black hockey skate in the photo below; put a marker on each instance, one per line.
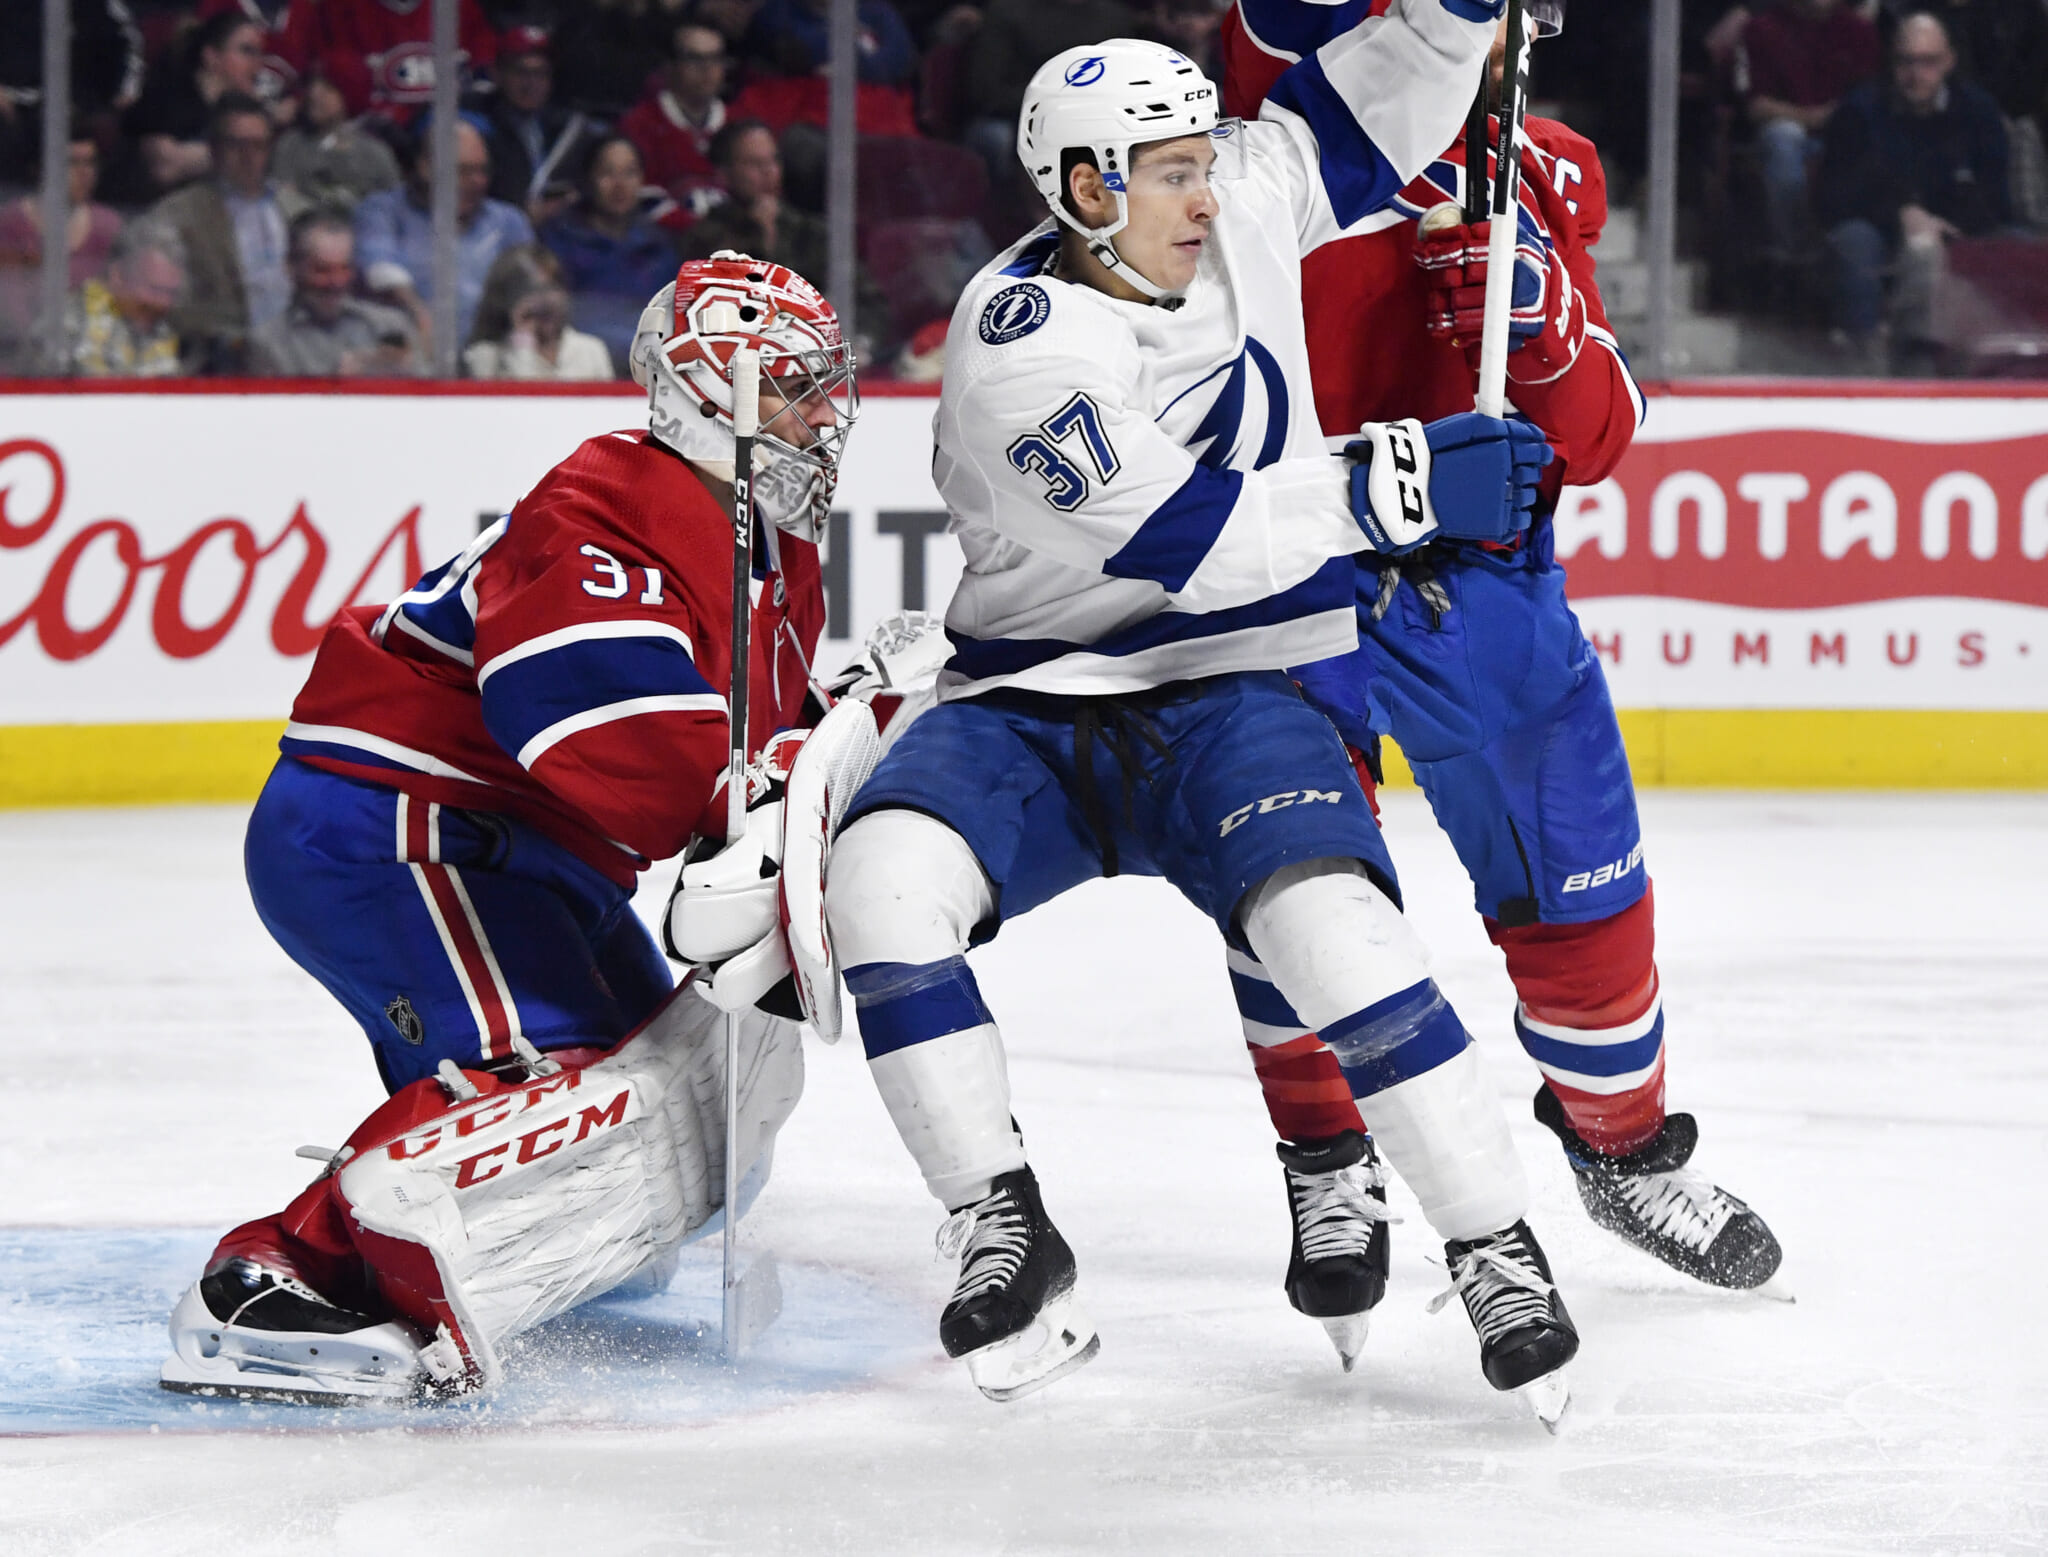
(1337, 1200)
(247, 1330)
(1664, 1208)
(1525, 1335)
(1012, 1316)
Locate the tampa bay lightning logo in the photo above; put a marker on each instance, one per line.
(1086, 72)
(1014, 313)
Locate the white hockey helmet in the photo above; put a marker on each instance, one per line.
(1102, 99)
(682, 356)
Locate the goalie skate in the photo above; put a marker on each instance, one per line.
(1013, 1317)
(1525, 1335)
(1337, 1200)
(258, 1334)
(1654, 1201)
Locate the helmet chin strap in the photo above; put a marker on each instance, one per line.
(1101, 243)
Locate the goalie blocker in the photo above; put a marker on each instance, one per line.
(470, 1208)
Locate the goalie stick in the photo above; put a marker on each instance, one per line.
(749, 1301)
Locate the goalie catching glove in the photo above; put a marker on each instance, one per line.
(1463, 478)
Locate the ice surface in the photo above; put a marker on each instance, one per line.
(1855, 990)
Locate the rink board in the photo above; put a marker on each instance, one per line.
(1788, 589)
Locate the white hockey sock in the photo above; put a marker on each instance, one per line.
(1444, 1134)
(950, 1100)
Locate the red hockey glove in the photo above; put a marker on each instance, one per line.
(1546, 316)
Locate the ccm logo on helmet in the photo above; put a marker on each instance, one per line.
(1014, 313)
(1085, 72)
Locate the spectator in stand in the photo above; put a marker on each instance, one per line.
(1016, 37)
(1910, 163)
(171, 122)
(603, 49)
(794, 38)
(381, 52)
(235, 232)
(327, 332)
(536, 144)
(107, 71)
(674, 123)
(1801, 55)
(286, 28)
(756, 220)
(1190, 27)
(395, 229)
(522, 325)
(2002, 45)
(121, 327)
(89, 241)
(613, 256)
(327, 159)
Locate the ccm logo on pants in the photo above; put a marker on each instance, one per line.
(1279, 802)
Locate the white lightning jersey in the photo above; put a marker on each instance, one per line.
(1144, 494)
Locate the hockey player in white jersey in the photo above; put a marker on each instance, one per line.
(1153, 528)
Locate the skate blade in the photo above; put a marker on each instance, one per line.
(1776, 1290)
(1347, 1334)
(288, 1388)
(1053, 1345)
(1549, 1398)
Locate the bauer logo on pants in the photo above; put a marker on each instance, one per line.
(1279, 802)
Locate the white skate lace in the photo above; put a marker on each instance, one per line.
(1335, 1212)
(991, 1239)
(1501, 1286)
(1679, 1205)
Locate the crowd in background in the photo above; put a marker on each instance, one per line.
(249, 179)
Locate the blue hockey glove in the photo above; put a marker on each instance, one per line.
(1464, 478)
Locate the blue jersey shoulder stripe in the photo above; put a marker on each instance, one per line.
(1034, 258)
(1180, 532)
(1328, 588)
(1356, 174)
(1276, 402)
(532, 694)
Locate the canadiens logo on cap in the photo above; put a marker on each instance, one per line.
(1014, 313)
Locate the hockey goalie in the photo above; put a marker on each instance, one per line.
(471, 781)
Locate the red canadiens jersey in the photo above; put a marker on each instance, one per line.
(1363, 297)
(675, 154)
(381, 52)
(570, 666)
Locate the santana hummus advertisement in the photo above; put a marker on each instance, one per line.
(172, 557)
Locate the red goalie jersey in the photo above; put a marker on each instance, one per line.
(570, 667)
(1363, 298)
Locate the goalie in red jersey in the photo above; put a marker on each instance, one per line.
(471, 781)
(1471, 659)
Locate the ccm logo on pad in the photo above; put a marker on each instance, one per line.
(1279, 802)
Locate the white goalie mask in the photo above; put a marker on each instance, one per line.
(1102, 100)
(682, 356)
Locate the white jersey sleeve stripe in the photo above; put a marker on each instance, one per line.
(590, 718)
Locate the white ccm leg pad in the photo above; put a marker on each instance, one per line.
(516, 1206)
(829, 770)
(1335, 945)
(950, 1100)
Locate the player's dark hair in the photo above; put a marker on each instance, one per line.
(1071, 158)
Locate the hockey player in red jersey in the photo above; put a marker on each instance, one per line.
(1470, 657)
(471, 780)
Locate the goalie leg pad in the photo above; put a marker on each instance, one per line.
(828, 772)
(517, 1205)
